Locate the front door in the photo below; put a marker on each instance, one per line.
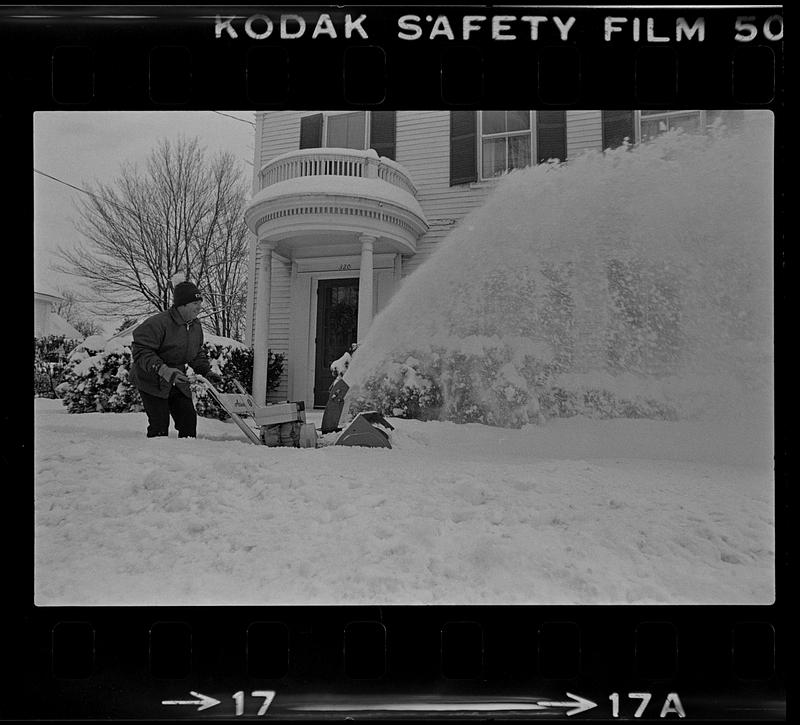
(337, 329)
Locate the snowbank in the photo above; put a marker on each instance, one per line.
(574, 511)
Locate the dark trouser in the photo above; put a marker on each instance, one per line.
(159, 409)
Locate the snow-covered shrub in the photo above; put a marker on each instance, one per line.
(557, 402)
(97, 381)
(97, 378)
(50, 356)
(483, 386)
(490, 387)
(405, 392)
(233, 363)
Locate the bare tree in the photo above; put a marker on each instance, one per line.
(71, 308)
(68, 306)
(184, 213)
(225, 279)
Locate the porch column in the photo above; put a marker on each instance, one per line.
(365, 286)
(261, 332)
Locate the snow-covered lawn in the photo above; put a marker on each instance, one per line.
(574, 511)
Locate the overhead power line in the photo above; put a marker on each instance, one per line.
(84, 191)
(235, 118)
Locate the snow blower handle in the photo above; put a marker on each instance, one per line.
(203, 379)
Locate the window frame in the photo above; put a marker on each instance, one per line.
(530, 131)
(367, 127)
(657, 115)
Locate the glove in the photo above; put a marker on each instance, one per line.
(172, 375)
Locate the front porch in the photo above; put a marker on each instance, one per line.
(330, 214)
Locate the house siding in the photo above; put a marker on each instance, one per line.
(423, 149)
(281, 134)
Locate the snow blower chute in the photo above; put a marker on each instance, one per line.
(363, 430)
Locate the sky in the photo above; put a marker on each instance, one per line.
(82, 147)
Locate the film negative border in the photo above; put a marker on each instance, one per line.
(649, 662)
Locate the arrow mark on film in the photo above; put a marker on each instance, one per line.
(577, 703)
(204, 701)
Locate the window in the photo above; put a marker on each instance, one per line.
(358, 130)
(654, 123)
(346, 130)
(505, 141)
(617, 127)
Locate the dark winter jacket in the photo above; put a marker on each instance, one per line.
(166, 339)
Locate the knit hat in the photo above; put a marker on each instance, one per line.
(184, 293)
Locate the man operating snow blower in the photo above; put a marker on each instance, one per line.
(162, 347)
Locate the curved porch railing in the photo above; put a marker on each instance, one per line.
(333, 162)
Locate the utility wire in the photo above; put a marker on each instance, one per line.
(235, 118)
(83, 191)
(108, 201)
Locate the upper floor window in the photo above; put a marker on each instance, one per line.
(351, 130)
(505, 141)
(654, 123)
(617, 128)
(346, 130)
(515, 139)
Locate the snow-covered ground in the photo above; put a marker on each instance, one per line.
(575, 511)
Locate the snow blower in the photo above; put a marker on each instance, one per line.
(279, 424)
(284, 424)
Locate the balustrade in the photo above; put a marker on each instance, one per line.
(330, 163)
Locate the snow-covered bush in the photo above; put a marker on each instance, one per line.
(97, 378)
(50, 356)
(233, 363)
(405, 392)
(598, 403)
(97, 381)
(483, 386)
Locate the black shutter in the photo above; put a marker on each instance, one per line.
(311, 131)
(617, 126)
(551, 135)
(382, 133)
(463, 147)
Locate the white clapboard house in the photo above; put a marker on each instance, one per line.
(347, 204)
